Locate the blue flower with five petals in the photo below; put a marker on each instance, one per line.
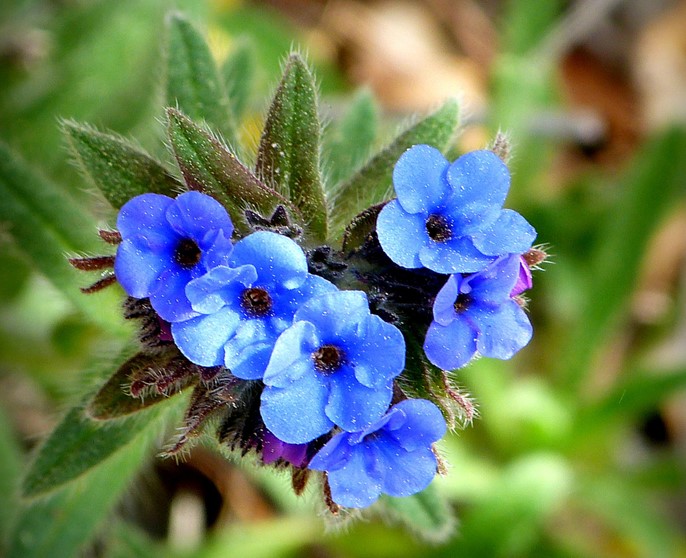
(245, 305)
(334, 366)
(449, 217)
(476, 313)
(168, 242)
(391, 456)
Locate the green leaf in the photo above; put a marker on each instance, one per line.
(116, 167)
(238, 73)
(78, 444)
(209, 167)
(288, 155)
(62, 523)
(10, 470)
(426, 513)
(353, 138)
(193, 81)
(112, 400)
(359, 229)
(45, 225)
(613, 269)
(372, 183)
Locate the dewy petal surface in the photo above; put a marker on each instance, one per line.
(137, 267)
(351, 485)
(402, 235)
(219, 287)
(194, 213)
(423, 424)
(503, 332)
(296, 414)
(407, 472)
(457, 255)
(353, 406)
(336, 314)
(419, 179)
(291, 357)
(380, 354)
(202, 339)
(247, 352)
(479, 176)
(443, 308)
(509, 234)
(277, 258)
(169, 298)
(144, 214)
(451, 346)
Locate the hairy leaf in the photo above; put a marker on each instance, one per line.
(288, 155)
(238, 73)
(119, 169)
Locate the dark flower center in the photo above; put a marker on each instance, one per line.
(462, 303)
(438, 228)
(187, 253)
(256, 302)
(327, 358)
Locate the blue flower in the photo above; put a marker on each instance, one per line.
(245, 305)
(449, 217)
(392, 456)
(168, 242)
(334, 366)
(475, 313)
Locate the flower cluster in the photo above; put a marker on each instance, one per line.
(448, 218)
(308, 353)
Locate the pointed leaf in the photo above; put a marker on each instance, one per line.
(10, 471)
(193, 81)
(427, 514)
(209, 167)
(115, 166)
(359, 229)
(288, 155)
(45, 224)
(238, 73)
(372, 184)
(352, 139)
(113, 399)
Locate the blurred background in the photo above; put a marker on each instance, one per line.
(580, 447)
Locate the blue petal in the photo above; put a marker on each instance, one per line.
(194, 214)
(296, 414)
(407, 472)
(402, 235)
(510, 234)
(444, 303)
(423, 424)
(457, 255)
(169, 297)
(289, 301)
(353, 406)
(216, 249)
(479, 176)
(334, 455)
(247, 352)
(221, 286)
(469, 218)
(379, 355)
(503, 331)
(336, 315)
(137, 267)
(419, 179)
(291, 357)
(494, 285)
(144, 214)
(451, 346)
(277, 258)
(202, 339)
(351, 485)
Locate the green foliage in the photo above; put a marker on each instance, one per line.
(238, 74)
(371, 184)
(194, 84)
(119, 169)
(288, 156)
(10, 471)
(209, 167)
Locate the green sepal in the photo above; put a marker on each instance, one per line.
(351, 140)
(427, 514)
(209, 167)
(113, 400)
(359, 229)
(194, 84)
(288, 154)
(119, 169)
(372, 184)
(238, 74)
